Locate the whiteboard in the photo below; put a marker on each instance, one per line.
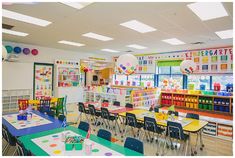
(17, 75)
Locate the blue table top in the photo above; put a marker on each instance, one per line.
(31, 130)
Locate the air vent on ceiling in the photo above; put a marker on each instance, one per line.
(6, 26)
(197, 43)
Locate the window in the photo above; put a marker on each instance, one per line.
(164, 70)
(198, 80)
(147, 80)
(134, 80)
(175, 70)
(223, 80)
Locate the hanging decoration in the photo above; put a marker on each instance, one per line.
(17, 50)
(187, 67)
(26, 51)
(9, 49)
(4, 53)
(127, 64)
(34, 52)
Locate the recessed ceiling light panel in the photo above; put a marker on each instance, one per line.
(24, 18)
(71, 43)
(77, 5)
(208, 10)
(110, 50)
(138, 26)
(173, 41)
(136, 46)
(16, 33)
(97, 36)
(225, 34)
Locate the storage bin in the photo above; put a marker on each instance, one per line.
(216, 108)
(200, 106)
(78, 146)
(205, 106)
(69, 146)
(221, 108)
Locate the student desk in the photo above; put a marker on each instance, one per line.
(38, 151)
(35, 129)
(195, 126)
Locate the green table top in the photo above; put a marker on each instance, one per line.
(37, 151)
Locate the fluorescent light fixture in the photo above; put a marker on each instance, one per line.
(110, 50)
(25, 18)
(16, 33)
(225, 34)
(173, 41)
(71, 43)
(97, 36)
(138, 26)
(77, 5)
(136, 46)
(208, 10)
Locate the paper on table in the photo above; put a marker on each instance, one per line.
(21, 124)
(53, 145)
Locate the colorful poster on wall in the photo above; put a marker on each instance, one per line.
(43, 80)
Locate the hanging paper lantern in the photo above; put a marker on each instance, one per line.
(4, 53)
(9, 49)
(127, 64)
(17, 50)
(34, 52)
(26, 51)
(187, 67)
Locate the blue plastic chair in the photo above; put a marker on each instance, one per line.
(173, 112)
(129, 105)
(150, 126)
(133, 123)
(156, 109)
(84, 126)
(192, 115)
(82, 110)
(116, 103)
(174, 130)
(104, 134)
(134, 144)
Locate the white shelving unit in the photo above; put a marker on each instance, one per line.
(90, 96)
(10, 99)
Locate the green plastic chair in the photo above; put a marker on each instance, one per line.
(60, 106)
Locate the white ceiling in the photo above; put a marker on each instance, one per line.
(170, 19)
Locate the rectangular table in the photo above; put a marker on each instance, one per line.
(115, 110)
(54, 146)
(195, 126)
(40, 122)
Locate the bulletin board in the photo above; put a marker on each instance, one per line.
(213, 60)
(43, 80)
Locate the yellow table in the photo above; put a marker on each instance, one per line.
(53, 100)
(35, 102)
(194, 126)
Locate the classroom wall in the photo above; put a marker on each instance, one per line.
(19, 75)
